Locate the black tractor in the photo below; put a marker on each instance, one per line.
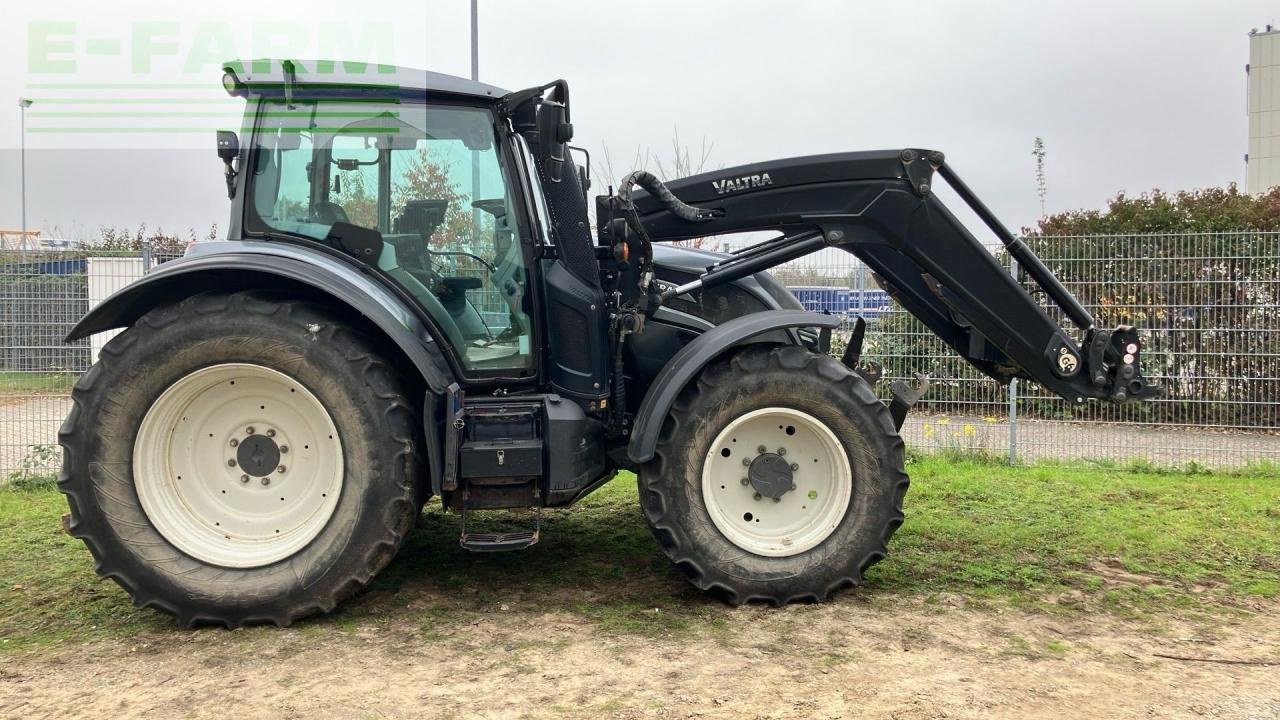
(414, 302)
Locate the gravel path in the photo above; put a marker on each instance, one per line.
(1047, 439)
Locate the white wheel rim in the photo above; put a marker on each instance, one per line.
(209, 431)
(801, 518)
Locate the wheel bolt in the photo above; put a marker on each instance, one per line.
(795, 467)
(271, 433)
(284, 449)
(762, 449)
(793, 486)
(782, 451)
(234, 442)
(281, 469)
(777, 499)
(244, 478)
(746, 462)
(266, 481)
(757, 496)
(248, 430)
(231, 463)
(745, 482)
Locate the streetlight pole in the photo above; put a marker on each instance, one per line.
(23, 104)
(475, 39)
(475, 154)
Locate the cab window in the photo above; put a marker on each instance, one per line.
(431, 180)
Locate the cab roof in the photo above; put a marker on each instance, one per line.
(268, 77)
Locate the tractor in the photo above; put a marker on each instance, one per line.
(414, 301)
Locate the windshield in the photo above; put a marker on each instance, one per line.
(430, 179)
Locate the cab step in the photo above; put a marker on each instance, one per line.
(498, 542)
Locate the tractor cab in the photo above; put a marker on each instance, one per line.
(416, 182)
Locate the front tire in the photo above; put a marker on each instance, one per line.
(778, 477)
(239, 459)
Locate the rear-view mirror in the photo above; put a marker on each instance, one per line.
(228, 146)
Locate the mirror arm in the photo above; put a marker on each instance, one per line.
(230, 173)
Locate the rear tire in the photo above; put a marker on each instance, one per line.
(160, 439)
(845, 475)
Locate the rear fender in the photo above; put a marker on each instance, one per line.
(249, 265)
(685, 365)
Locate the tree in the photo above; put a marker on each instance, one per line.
(162, 243)
(1038, 152)
(1202, 210)
(681, 163)
(423, 178)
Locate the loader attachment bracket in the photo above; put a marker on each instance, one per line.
(905, 396)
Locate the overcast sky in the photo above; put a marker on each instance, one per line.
(1127, 95)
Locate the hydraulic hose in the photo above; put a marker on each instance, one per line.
(671, 203)
(658, 189)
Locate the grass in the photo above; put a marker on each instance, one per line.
(1106, 538)
(26, 383)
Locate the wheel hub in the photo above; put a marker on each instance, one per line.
(771, 475)
(258, 455)
(776, 481)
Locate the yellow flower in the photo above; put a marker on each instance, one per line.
(989, 420)
(943, 421)
(928, 431)
(970, 430)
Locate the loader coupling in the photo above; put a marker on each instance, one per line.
(1114, 361)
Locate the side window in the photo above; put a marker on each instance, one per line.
(283, 186)
(431, 180)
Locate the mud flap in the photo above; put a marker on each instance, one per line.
(905, 396)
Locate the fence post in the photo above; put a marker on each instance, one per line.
(146, 258)
(1013, 394)
(862, 289)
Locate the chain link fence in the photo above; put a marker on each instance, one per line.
(1209, 305)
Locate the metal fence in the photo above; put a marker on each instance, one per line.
(1210, 304)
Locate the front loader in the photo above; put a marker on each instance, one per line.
(412, 303)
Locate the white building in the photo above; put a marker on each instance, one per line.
(1263, 70)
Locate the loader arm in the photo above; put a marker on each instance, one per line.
(880, 206)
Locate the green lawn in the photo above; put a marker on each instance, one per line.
(24, 383)
(1056, 539)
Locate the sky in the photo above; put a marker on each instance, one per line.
(1128, 96)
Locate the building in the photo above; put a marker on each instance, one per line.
(1263, 160)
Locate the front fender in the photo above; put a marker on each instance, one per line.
(248, 265)
(685, 365)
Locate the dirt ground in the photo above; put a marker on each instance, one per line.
(891, 658)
